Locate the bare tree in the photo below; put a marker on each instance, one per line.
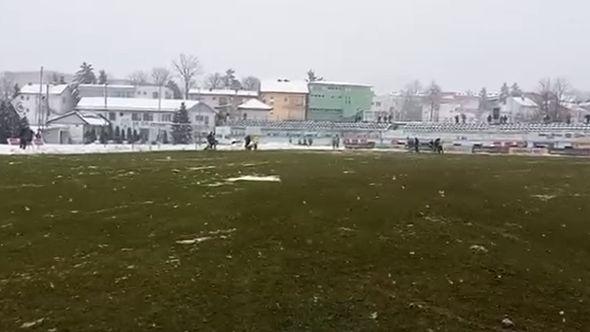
(551, 94)
(250, 83)
(214, 81)
(160, 76)
(560, 88)
(187, 67)
(138, 77)
(434, 97)
(411, 110)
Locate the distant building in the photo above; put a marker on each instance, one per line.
(338, 101)
(71, 127)
(38, 103)
(520, 109)
(254, 109)
(224, 101)
(151, 119)
(123, 91)
(288, 99)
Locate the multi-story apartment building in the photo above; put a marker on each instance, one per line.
(288, 99)
(338, 101)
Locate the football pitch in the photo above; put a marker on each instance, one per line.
(293, 241)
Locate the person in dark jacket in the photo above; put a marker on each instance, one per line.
(416, 145)
(247, 141)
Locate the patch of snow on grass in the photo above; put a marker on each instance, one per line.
(254, 178)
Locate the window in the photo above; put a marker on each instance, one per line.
(245, 116)
(206, 120)
(135, 117)
(22, 97)
(222, 100)
(148, 117)
(286, 100)
(121, 114)
(166, 117)
(112, 116)
(154, 95)
(199, 118)
(145, 93)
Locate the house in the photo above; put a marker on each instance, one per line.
(224, 101)
(38, 102)
(123, 91)
(73, 127)
(254, 109)
(520, 109)
(152, 119)
(338, 101)
(288, 99)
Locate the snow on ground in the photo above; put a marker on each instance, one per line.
(271, 178)
(122, 148)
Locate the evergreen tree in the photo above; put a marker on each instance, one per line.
(230, 81)
(16, 90)
(10, 123)
(515, 90)
(176, 93)
(104, 136)
(181, 129)
(504, 93)
(117, 135)
(90, 136)
(102, 77)
(85, 75)
(129, 136)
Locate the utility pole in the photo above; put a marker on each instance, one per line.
(39, 101)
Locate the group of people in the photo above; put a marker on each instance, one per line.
(434, 145)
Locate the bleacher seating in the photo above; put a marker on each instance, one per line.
(311, 125)
(425, 127)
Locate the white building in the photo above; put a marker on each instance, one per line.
(254, 109)
(38, 103)
(224, 101)
(72, 127)
(520, 109)
(150, 118)
(124, 91)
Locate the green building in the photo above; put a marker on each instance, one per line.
(335, 101)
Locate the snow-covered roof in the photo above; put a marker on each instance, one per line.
(341, 84)
(85, 118)
(255, 104)
(223, 92)
(53, 89)
(524, 101)
(109, 86)
(283, 86)
(133, 104)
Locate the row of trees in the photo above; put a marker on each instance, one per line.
(549, 96)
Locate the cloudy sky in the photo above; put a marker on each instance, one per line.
(462, 44)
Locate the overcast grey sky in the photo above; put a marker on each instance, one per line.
(463, 44)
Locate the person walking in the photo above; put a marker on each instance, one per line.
(416, 145)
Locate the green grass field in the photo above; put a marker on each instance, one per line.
(346, 242)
